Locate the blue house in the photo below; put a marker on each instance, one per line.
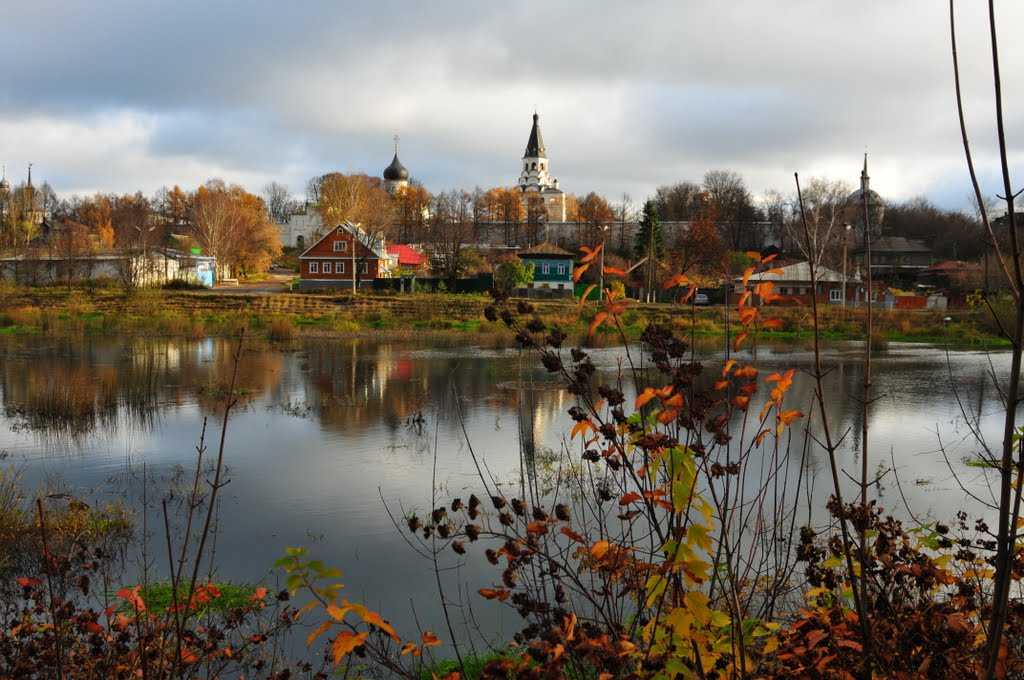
(552, 267)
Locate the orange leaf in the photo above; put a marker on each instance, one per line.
(614, 271)
(677, 280)
(630, 497)
(579, 271)
(747, 314)
(188, 656)
(747, 273)
(753, 255)
(537, 528)
(776, 271)
(769, 258)
(572, 535)
(345, 643)
(410, 648)
(788, 417)
(581, 427)
(570, 627)
(745, 298)
(721, 385)
(746, 372)
(738, 342)
(668, 415)
(600, 549)
(590, 254)
(132, 597)
(675, 401)
(376, 619)
(690, 292)
(645, 397)
(741, 402)
(320, 630)
(728, 367)
(598, 320)
(772, 323)
(259, 594)
(499, 594)
(430, 640)
(586, 293)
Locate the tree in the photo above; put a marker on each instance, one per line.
(278, 200)
(952, 235)
(411, 207)
(233, 226)
(450, 234)
(594, 213)
(511, 273)
(625, 206)
(825, 209)
(359, 199)
(735, 209)
(699, 249)
(72, 247)
(536, 214)
(649, 243)
(679, 201)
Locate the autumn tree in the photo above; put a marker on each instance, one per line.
(233, 226)
(355, 198)
(174, 206)
(699, 248)
(594, 213)
(71, 245)
(650, 243)
(505, 207)
(536, 215)
(411, 205)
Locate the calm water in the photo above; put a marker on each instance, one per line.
(326, 431)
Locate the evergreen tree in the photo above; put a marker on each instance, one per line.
(648, 223)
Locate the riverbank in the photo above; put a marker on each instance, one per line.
(437, 317)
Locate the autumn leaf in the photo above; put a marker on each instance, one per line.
(614, 271)
(630, 497)
(581, 427)
(590, 253)
(579, 271)
(769, 258)
(747, 314)
(586, 294)
(746, 372)
(375, 619)
(258, 594)
(318, 631)
(788, 417)
(728, 367)
(747, 273)
(721, 385)
(188, 656)
(598, 320)
(26, 582)
(571, 535)
(738, 342)
(677, 280)
(410, 648)
(690, 292)
(430, 640)
(345, 643)
(499, 594)
(537, 528)
(132, 597)
(741, 402)
(645, 397)
(668, 415)
(773, 324)
(600, 549)
(675, 401)
(753, 255)
(744, 298)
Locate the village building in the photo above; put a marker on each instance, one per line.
(793, 283)
(345, 256)
(552, 268)
(536, 182)
(138, 268)
(407, 260)
(895, 260)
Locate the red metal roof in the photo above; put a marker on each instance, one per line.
(407, 256)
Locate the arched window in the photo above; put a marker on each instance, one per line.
(534, 166)
(541, 166)
(300, 241)
(526, 166)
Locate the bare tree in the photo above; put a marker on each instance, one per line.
(733, 204)
(824, 208)
(450, 233)
(278, 200)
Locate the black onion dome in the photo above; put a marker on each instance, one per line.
(396, 171)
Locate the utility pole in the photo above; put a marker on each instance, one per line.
(650, 260)
(604, 240)
(354, 273)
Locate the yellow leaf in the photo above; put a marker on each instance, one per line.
(375, 619)
(645, 397)
(600, 549)
(338, 613)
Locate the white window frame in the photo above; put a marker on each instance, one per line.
(545, 268)
(561, 269)
(341, 246)
(364, 267)
(835, 295)
(326, 269)
(314, 267)
(339, 267)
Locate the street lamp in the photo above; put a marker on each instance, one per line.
(846, 238)
(604, 239)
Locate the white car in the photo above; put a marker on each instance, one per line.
(701, 299)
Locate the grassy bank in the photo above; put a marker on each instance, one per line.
(432, 317)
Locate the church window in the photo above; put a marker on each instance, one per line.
(314, 268)
(327, 267)
(541, 166)
(533, 166)
(300, 241)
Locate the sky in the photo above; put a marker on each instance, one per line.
(122, 96)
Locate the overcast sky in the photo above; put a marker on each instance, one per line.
(122, 95)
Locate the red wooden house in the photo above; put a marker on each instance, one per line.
(344, 252)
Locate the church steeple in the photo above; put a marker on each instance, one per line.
(865, 181)
(535, 145)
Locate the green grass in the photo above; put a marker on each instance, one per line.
(159, 597)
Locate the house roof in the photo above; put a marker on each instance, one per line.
(375, 245)
(535, 146)
(801, 271)
(897, 244)
(407, 256)
(950, 266)
(545, 249)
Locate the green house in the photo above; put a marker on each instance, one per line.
(552, 266)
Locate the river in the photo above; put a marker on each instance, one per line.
(330, 430)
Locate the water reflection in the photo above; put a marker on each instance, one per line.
(330, 427)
